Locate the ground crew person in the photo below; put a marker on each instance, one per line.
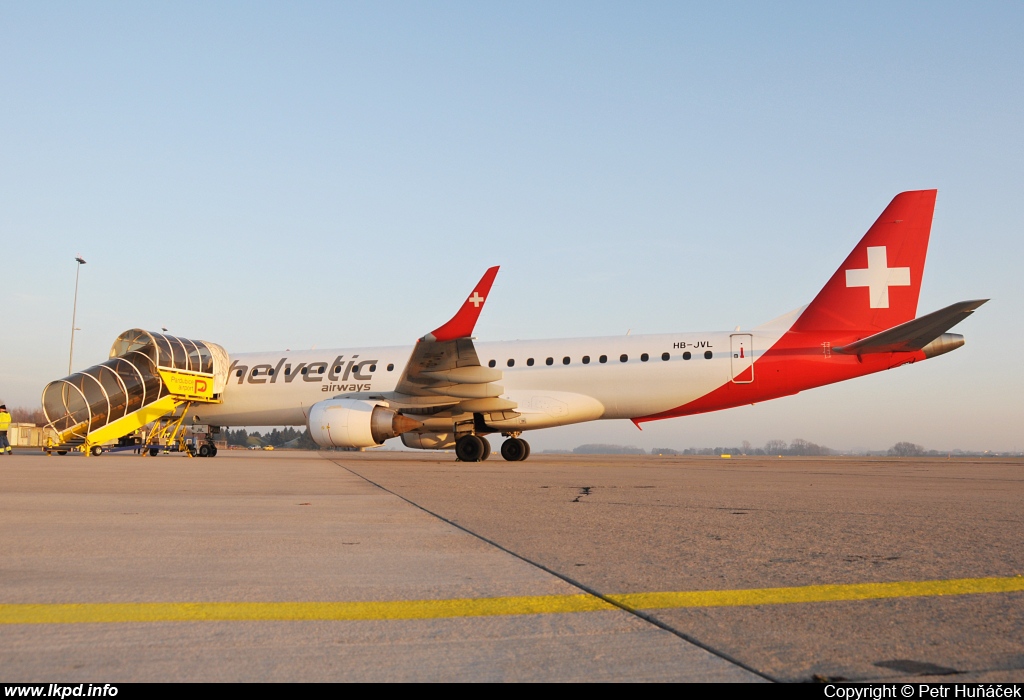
(5, 423)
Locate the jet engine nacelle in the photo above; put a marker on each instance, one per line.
(354, 423)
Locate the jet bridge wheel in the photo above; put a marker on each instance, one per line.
(204, 451)
(515, 450)
(471, 448)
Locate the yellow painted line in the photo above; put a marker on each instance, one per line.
(46, 613)
(818, 594)
(26, 614)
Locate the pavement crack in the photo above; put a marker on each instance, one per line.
(584, 491)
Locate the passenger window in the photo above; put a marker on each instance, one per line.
(707, 355)
(550, 361)
(565, 360)
(305, 370)
(665, 356)
(391, 367)
(586, 359)
(511, 363)
(645, 357)
(491, 363)
(623, 358)
(270, 371)
(529, 362)
(602, 359)
(686, 355)
(321, 370)
(255, 372)
(373, 368)
(239, 373)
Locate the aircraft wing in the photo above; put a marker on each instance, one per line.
(913, 335)
(444, 369)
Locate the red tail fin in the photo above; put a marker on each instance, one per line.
(878, 285)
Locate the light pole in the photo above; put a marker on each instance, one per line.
(74, 313)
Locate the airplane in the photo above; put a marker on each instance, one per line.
(450, 390)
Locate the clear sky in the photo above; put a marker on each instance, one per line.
(283, 175)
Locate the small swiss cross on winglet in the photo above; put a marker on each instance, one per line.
(462, 323)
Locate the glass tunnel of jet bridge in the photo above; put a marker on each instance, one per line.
(148, 375)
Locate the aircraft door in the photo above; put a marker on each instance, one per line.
(742, 358)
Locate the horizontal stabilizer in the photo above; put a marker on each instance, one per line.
(913, 335)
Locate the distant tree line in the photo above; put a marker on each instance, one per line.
(609, 450)
(292, 438)
(797, 448)
(28, 415)
(289, 437)
(809, 449)
(906, 449)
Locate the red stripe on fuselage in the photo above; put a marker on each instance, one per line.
(798, 361)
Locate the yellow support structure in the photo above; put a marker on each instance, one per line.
(170, 433)
(132, 422)
(69, 434)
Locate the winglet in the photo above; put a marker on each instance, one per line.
(462, 323)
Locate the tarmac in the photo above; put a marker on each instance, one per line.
(398, 566)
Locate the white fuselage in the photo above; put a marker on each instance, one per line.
(286, 384)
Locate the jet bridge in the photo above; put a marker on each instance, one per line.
(148, 377)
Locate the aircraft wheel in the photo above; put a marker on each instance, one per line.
(213, 450)
(469, 448)
(487, 449)
(204, 451)
(96, 451)
(515, 450)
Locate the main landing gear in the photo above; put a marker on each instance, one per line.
(473, 448)
(515, 449)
